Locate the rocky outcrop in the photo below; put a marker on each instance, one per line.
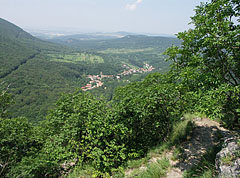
(228, 159)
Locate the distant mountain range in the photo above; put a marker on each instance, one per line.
(61, 35)
(83, 42)
(46, 35)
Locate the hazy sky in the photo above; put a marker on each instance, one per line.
(151, 16)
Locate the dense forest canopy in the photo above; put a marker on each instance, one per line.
(83, 129)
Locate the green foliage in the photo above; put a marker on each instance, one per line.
(207, 63)
(181, 131)
(136, 163)
(16, 142)
(37, 85)
(5, 102)
(148, 109)
(79, 129)
(86, 130)
(228, 160)
(38, 71)
(76, 57)
(78, 132)
(87, 171)
(221, 103)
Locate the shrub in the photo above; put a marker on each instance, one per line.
(148, 109)
(84, 128)
(15, 142)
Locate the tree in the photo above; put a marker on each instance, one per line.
(16, 141)
(81, 129)
(5, 101)
(148, 109)
(208, 58)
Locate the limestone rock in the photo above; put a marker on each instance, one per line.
(228, 159)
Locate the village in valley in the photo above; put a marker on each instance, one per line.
(96, 80)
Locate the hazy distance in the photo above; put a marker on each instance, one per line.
(86, 16)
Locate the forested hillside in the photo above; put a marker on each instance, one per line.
(34, 81)
(133, 41)
(88, 136)
(36, 71)
(134, 49)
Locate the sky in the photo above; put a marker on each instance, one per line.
(139, 16)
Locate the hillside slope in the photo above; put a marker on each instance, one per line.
(10, 30)
(129, 41)
(38, 71)
(13, 50)
(34, 80)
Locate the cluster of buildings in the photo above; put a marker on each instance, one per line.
(96, 80)
(146, 68)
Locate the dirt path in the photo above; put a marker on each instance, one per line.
(205, 136)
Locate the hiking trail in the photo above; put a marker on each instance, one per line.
(205, 135)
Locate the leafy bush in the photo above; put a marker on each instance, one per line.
(88, 130)
(148, 110)
(84, 128)
(207, 63)
(16, 141)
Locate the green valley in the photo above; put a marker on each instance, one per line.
(76, 57)
(37, 72)
(121, 105)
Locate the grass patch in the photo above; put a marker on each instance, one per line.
(158, 150)
(80, 171)
(86, 171)
(197, 114)
(182, 130)
(76, 57)
(228, 160)
(125, 51)
(153, 170)
(177, 154)
(132, 164)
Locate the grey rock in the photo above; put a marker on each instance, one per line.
(228, 159)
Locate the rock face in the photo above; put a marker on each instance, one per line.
(228, 159)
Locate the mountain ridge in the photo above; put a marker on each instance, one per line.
(10, 30)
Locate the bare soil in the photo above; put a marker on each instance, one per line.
(205, 135)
